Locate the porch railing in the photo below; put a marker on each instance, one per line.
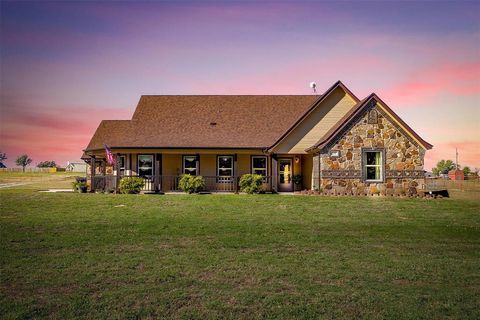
(170, 183)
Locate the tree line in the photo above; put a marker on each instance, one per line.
(24, 160)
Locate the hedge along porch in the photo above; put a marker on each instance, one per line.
(161, 169)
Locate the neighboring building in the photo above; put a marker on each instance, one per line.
(335, 141)
(2, 166)
(456, 174)
(76, 166)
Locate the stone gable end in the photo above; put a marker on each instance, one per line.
(403, 157)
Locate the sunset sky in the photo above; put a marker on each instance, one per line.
(66, 66)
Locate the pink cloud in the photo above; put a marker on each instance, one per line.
(430, 82)
(50, 133)
(469, 153)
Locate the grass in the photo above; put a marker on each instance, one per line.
(234, 256)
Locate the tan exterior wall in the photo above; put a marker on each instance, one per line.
(307, 162)
(172, 163)
(314, 127)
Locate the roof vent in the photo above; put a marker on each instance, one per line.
(213, 124)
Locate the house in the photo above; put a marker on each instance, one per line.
(334, 141)
(76, 166)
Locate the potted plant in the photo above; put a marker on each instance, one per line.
(79, 186)
(297, 182)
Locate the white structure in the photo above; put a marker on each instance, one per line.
(76, 166)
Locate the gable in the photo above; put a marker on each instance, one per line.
(318, 122)
(372, 101)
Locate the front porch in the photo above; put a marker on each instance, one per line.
(221, 171)
(162, 184)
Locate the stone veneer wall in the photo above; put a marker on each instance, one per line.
(403, 163)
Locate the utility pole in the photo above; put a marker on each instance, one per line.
(456, 159)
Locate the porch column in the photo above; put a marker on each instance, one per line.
(104, 168)
(157, 180)
(117, 172)
(197, 163)
(316, 172)
(92, 173)
(274, 173)
(235, 173)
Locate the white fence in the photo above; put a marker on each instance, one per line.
(45, 170)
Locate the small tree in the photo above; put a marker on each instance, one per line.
(3, 157)
(443, 166)
(466, 170)
(23, 161)
(47, 164)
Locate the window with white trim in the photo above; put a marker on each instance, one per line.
(259, 165)
(225, 166)
(373, 165)
(122, 165)
(190, 165)
(145, 165)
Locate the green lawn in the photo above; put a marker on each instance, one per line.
(235, 256)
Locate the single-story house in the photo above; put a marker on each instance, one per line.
(329, 141)
(76, 166)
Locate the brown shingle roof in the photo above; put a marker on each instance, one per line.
(204, 122)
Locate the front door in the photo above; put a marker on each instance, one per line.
(285, 174)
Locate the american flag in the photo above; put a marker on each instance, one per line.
(110, 156)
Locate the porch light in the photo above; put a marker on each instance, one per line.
(297, 159)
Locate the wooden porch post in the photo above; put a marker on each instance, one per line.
(117, 172)
(235, 173)
(104, 167)
(197, 163)
(92, 173)
(157, 181)
(274, 173)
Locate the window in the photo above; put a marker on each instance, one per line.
(190, 165)
(373, 116)
(259, 165)
(373, 165)
(122, 165)
(145, 165)
(225, 166)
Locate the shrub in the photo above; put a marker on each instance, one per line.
(250, 183)
(131, 185)
(79, 186)
(191, 184)
(297, 179)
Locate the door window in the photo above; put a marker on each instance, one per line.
(285, 170)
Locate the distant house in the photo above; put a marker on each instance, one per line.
(334, 141)
(76, 166)
(2, 165)
(456, 174)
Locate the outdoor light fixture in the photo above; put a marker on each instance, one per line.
(297, 159)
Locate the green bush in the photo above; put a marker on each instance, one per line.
(79, 186)
(250, 183)
(131, 185)
(191, 184)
